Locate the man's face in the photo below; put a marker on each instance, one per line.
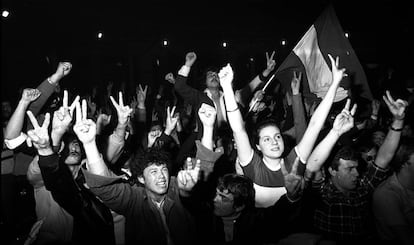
(75, 153)
(224, 203)
(346, 177)
(156, 179)
(212, 79)
(271, 142)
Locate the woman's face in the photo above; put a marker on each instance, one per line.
(271, 142)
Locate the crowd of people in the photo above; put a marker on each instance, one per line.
(212, 166)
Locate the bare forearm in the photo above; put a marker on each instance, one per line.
(141, 114)
(120, 130)
(322, 151)
(15, 124)
(207, 139)
(115, 147)
(95, 162)
(56, 140)
(298, 116)
(233, 114)
(388, 148)
(315, 125)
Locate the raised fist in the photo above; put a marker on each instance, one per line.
(30, 94)
(190, 58)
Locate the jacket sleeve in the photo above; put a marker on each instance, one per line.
(59, 181)
(207, 158)
(189, 94)
(46, 90)
(117, 195)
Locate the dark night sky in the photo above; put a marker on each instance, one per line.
(38, 33)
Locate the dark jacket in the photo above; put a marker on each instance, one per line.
(92, 220)
(253, 226)
(144, 224)
(192, 96)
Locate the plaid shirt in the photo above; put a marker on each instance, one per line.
(340, 216)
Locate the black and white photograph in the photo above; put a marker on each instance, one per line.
(262, 122)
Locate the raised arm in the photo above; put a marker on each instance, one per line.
(207, 114)
(141, 110)
(48, 86)
(15, 125)
(344, 121)
(188, 93)
(116, 140)
(62, 119)
(305, 146)
(58, 178)
(298, 109)
(243, 95)
(205, 149)
(387, 150)
(85, 129)
(244, 149)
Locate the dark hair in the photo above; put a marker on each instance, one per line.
(240, 186)
(143, 159)
(263, 124)
(345, 153)
(366, 145)
(68, 138)
(403, 154)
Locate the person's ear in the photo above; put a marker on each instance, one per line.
(258, 147)
(141, 180)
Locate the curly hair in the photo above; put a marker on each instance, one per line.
(143, 159)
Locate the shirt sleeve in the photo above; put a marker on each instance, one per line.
(373, 177)
(14, 143)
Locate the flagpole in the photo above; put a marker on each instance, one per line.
(263, 89)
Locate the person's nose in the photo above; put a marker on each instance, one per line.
(161, 176)
(355, 172)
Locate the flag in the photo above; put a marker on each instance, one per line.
(310, 56)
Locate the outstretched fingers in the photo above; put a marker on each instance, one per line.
(78, 113)
(33, 120)
(84, 110)
(295, 166)
(121, 99)
(46, 121)
(347, 105)
(65, 99)
(353, 110)
(73, 105)
(172, 111)
(114, 102)
(389, 97)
